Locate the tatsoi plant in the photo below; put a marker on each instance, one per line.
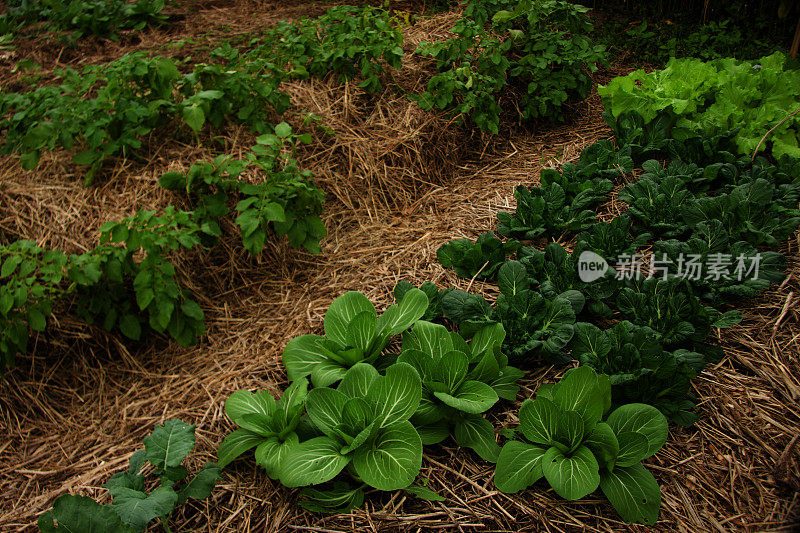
(30, 279)
(460, 381)
(535, 326)
(564, 202)
(656, 206)
(717, 96)
(738, 269)
(639, 369)
(611, 240)
(672, 310)
(365, 422)
(574, 444)
(354, 333)
(133, 506)
(476, 259)
(268, 426)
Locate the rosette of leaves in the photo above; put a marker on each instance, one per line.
(354, 333)
(269, 426)
(559, 205)
(573, 443)
(655, 206)
(738, 276)
(554, 271)
(460, 381)
(30, 279)
(611, 240)
(366, 429)
(644, 140)
(535, 326)
(133, 508)
(747, 212)
(784, 175)
(671, 309)
(602, 160)
(434, 294)
(639, 369)
(478, 259)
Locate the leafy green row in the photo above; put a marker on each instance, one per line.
(107, 110)
(133, 506)
(715, 97)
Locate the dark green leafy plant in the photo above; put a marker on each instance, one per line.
(611, 240)
(639, 369)
(133, 508)
(268, 426)
(460, 381)
(434, 294)
(535, 326)
(365, 422)
(578, 447)
(476, 259)
(655, 206)
(354, 333)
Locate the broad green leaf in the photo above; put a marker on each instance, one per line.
(573, 476)
(312, 462)
(194, 117)
(342, 311)
(485, 339)
(512, 278)
(603, 443)
(169, 443)
(643, 419)
(633, 448)
(434, 433)
(570, 429)
(292, 402)
(401, 316)
(235, 444)
(431, 339)
(393, 460)
(539, 419)
(477, 433)
(357, 381)
(471, 397)
(451, 369)
(201, 485)
(342, 498)
(80, 514)
(634, 493)
(270, 454)
(325, 407)
(326, 373)
(301, 355)
(261, 404)
(519, 466)
(396, 395)
(137, 509)
(283, 130)
(360, 331)
(579, 391)
(357, 414)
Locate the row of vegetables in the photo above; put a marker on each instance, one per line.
(369, 395)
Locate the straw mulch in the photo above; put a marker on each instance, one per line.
(399, 183)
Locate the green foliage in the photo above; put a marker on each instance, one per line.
(535, 326)
(351, 41)
(715, 97)
(365, 422)
(268, 426)
(107, 110)
(435, 296)
(460, 381)
(639, 369)
(578, 447)
(354, 333)
(103, 18)
(610, 240)
(480, 259)
(31, 280)
(133, 507)
(540, 51)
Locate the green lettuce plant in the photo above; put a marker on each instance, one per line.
(366, 429)
(573, 442)
(460, 381)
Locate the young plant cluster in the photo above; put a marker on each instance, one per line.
(107, 110)
(365, 422)
(134, 506)
(715, 97)
(541, 52)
